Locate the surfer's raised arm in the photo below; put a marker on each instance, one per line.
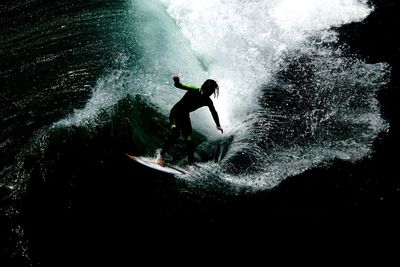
(178, 84)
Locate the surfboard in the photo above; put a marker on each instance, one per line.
(149, 162)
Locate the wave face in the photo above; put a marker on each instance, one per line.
(88, 75)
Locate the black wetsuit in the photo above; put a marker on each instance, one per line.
(180, 119)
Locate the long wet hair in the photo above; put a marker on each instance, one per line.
(210, 87)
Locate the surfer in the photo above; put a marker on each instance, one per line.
(179, 118)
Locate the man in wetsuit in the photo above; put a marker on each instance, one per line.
(179, 117)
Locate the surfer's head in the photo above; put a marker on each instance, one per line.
(210, 87)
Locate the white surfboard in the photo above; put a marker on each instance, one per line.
(149, 162)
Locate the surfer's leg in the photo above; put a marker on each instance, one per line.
(187, 135)
(173, 115)
(174, 134)
(171, 140)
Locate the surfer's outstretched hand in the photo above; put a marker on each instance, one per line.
(220, 129)
(175, 78)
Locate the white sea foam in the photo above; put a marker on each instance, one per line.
(241, 42)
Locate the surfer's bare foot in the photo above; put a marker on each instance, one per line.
(160, 161)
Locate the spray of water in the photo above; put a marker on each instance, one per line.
(245, 46)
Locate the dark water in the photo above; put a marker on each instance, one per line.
(320, 146)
